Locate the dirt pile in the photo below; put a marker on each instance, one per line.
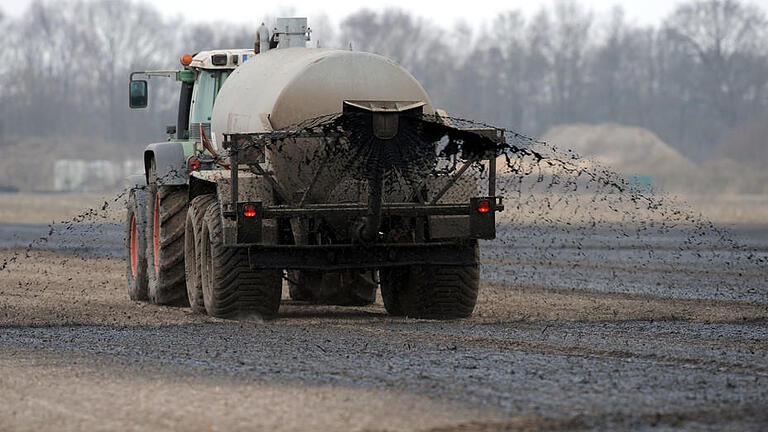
(635, 152)
(747, 143)
(629, 150)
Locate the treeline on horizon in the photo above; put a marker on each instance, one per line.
(699, 79)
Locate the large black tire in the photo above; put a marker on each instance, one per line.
(165, 242)
(431, 292)
(192, 238)
(135, 244)
(230, 288)
(343, 288)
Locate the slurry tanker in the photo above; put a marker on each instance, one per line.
(329, 170)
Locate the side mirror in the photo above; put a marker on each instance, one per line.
(138, 95)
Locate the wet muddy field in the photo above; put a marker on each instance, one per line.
(588, 332)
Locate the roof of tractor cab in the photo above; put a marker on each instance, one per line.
(221, 59)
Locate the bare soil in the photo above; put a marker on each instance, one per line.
(77, 353)
(45, 288)
(45, 208)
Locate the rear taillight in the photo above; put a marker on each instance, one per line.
(483, 206)
(249, 222)
(482, 217)
(249, 210)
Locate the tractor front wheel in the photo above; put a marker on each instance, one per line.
(135, 244)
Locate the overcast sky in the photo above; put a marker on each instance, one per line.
(442, 12)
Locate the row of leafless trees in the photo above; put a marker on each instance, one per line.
(693, 79)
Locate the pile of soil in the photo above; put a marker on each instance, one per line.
(628, 150)
(634, 151)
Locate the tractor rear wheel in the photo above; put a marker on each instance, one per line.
(431, 292)
(135, 244)
(192, 238)
(166, 217)
(230, 288)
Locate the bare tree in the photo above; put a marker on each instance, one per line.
(558, 43)
(415, 43)
(693, 80)
(69, 62)
(123, 36)
(621, 73)
(492, 72)
(721, 64)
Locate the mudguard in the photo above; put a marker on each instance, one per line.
(170, 162)
(136, 181)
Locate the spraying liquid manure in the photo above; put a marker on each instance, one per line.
(332, 171)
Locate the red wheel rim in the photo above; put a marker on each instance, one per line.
(134, 244)
(156, 234)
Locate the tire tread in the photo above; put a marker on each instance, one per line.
(235, 290)
(431, 292)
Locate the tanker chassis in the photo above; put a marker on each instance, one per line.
(277, 170)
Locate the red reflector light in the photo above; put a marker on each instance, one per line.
(483, 206)
(249, 210)
(194, 164)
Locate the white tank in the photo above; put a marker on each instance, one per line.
(283, 87)
(287, 86)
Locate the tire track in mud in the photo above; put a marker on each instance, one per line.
(559, 349)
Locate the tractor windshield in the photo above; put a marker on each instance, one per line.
(203, 96)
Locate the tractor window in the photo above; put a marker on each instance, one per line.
(206, 88)
(202, 97)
